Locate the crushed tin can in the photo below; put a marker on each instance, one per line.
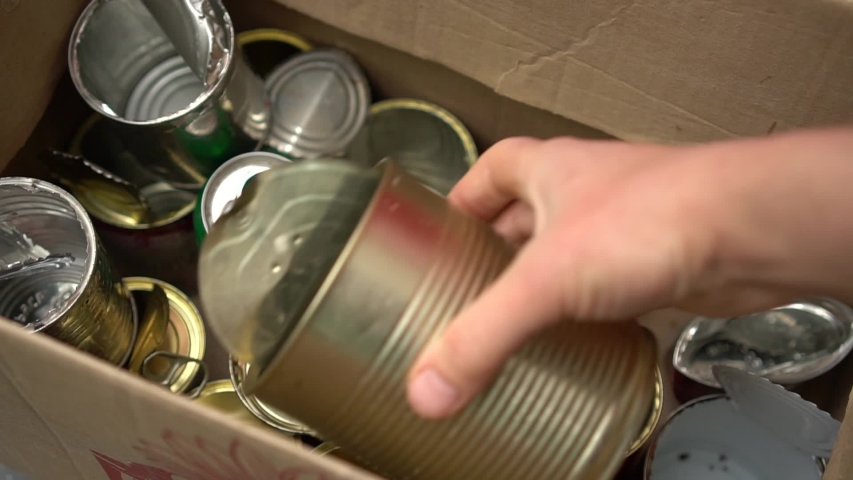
(787, 345)
(756, 430)
(320, 101)
(426, 140)
(334, 300)
(266, 48)
(78, 300)
(241, 372)
(225, 185)
(176, 359)
(169, 77)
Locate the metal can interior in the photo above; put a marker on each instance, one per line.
(81, 303)
(185, 333)
(168, 74)
(709, 439)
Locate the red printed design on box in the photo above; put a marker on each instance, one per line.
(180, 457)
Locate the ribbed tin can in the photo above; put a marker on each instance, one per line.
(170, 76)
(567, 406)
(83, 303)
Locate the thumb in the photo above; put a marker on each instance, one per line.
(460, 362)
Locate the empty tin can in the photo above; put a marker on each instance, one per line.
(756, 430)
(80, 301)
(266, 48)
(353, 271)
(184, 341)
(320, 100)
(788, 344)
(226, 184)
(169, 75)
(426, 140)
(240, 373)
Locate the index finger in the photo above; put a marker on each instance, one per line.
(496, 179)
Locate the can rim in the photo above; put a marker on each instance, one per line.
(273, 35)
(654, 416)
(216, 387)
(650, 454)
(471, 152)
(188, 314)
(237, 371)
(98, 105)
(76, 148)
(92, 245)
(222, 172)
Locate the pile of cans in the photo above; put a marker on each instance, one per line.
(186, 112)
(103, 256)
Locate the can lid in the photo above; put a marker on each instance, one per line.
(319, 102)
(166, 89)
(227, 182)
(426, 141)
(780, 411)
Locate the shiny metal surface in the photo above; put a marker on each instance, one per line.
(567, 406)
(227, 182)
(652, 418)
(266, 48)
(220, 396)
(786, 345)
(184, 336)
(426, 140)
(153, 323)
(168, 74)
(83, 304)
(320, 101)
(240, 372)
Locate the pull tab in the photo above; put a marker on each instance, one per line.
(176, 364)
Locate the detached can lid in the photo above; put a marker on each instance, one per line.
(319, 102)
(786, 414)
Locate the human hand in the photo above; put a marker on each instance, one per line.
(606, 231)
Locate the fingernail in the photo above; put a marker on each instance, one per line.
(431, 395)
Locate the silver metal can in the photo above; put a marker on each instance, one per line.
(225, 185)
(320, 100)
(756, 430)
(169, 75)
(81, 302)
(331, 278)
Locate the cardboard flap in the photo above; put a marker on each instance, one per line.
(34, 38)
(642, 70)
(89, 420)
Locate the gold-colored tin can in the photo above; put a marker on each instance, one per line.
(241, 372)
(79, 301)
(220, 395)
(266, 48)
(568, 405)
(159, 245)
(427, 141)
(184, 340)
(652, 419)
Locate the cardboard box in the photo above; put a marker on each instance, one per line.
(637, 70)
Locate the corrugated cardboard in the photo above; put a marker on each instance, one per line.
(668, 71)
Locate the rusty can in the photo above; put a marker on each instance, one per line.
(177, 360)
(349, 272)
(241, 372)
(756, 430)
(427, 141)
(266, 48)
(169, 78)
(79, 301)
